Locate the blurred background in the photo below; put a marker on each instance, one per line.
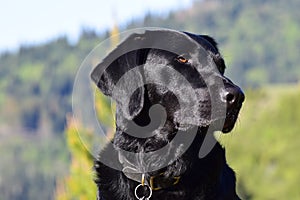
(42, 45)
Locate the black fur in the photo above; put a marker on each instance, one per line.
(206, 178)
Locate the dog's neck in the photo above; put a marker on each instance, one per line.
(195, 174)
(175, 172)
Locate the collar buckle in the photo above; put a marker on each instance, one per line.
(159, 182)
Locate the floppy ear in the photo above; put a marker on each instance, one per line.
(119, 74)
(120, 77)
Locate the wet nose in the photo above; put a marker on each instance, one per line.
(233, 95)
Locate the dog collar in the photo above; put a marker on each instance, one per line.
(161, 182)
(155, 182)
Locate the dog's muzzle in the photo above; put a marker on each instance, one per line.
(234, 97)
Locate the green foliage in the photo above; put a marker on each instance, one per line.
(264, 147)
(259, 40)
(257, 76)
(252, 34)
(79, 183)
(105, 110)
(44, 76)
(30, 165)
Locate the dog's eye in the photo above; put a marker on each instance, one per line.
(182, 59)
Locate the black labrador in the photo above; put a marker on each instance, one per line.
(167, 85)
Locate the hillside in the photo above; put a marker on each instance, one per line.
(259, 39)
(260, 42)
(263, 149)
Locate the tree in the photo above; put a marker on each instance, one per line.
(79, 183)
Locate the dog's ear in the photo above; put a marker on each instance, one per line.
(211, 40)
(205, 41)
(119, 76)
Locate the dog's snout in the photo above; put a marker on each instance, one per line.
(233, 95)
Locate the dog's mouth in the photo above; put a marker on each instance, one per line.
(230, 120)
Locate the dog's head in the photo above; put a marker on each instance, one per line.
(182, 72)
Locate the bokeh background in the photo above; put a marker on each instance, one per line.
(42, 45)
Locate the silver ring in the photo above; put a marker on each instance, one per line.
(142, 198)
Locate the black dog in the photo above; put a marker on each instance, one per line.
(184, 74)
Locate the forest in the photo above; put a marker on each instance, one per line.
(41, 157)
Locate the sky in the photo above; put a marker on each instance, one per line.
(34, 21)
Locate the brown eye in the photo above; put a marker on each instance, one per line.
(182, 59)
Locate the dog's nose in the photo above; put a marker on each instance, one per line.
(233, 95)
